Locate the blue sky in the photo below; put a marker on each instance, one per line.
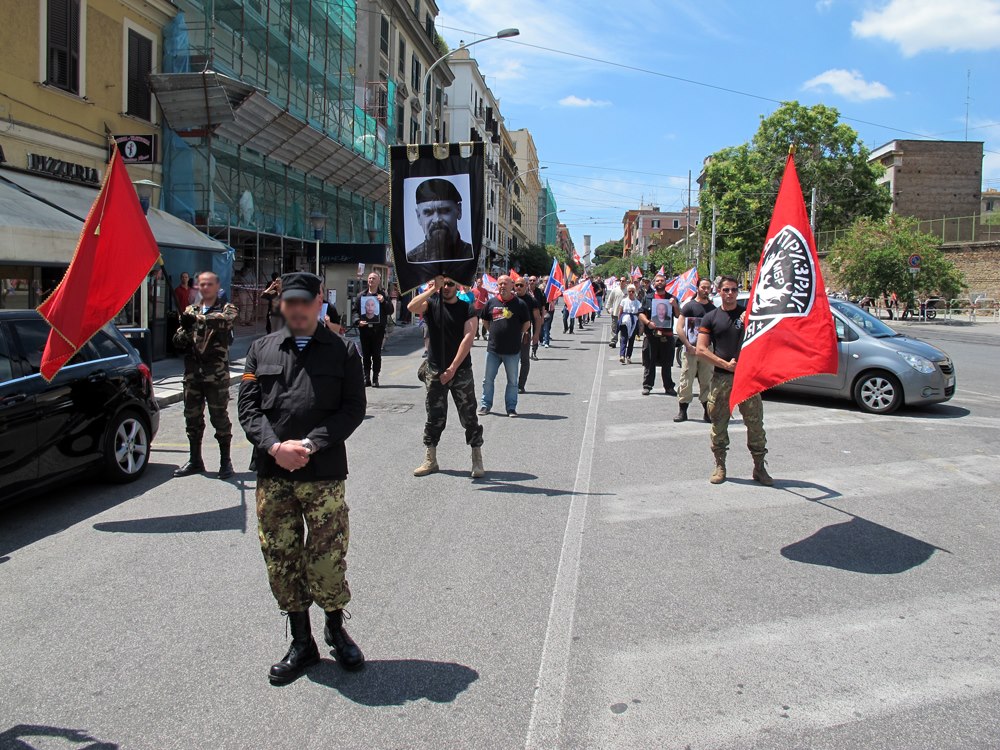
(901, 64)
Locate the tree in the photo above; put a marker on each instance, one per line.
(607, 251)
(872, 259)
(617, 267)
(533, 259)
(742, 182)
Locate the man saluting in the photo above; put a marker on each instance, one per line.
(301, 397)
(439, 209)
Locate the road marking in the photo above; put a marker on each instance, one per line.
(545, 726)
(693, 497)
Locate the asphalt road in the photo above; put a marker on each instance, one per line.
(594, 591)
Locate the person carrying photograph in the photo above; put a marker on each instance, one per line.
(692, 366)
(439, 209)
(372, 309)
(657, 322)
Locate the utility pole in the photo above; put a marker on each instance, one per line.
(812, 212)
(711, 262)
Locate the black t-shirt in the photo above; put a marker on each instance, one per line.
(664, 327)
(540, 302)
(507, 321)
(445, 331)
(693, 311)
(726, 329)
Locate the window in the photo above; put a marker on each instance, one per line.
(655, 223)
(400, 124)
(106, 346)
(415, 74)
(6, 365)
(989, 205)
(429, 25)
(140, 65)
(677, 223)
(416, 8)
(63, 45)
(383, 39)
(414, 131)
(402, 57)
(34, 334)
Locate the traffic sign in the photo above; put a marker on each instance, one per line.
(915, 261)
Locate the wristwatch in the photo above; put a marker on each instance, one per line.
(309, 445)
(273, 449)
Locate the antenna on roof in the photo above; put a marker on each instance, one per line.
(968, 99)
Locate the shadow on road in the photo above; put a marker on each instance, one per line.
(395, 682)
(549, 393)
(63, 507)
(221, 519)
(543, 417)
(929, 411)
(22, 736)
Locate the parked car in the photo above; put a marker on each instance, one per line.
(880, 369)
(98, 414)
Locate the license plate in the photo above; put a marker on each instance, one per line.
(951, 381)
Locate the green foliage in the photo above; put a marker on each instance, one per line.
(742, 181)
(991, 218)
(532, 258)
(614, 267)
(673, 259)
(608, 250)
(872, 259)
(441, 44)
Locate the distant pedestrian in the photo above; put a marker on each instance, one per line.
(301, 397)
(612, 301)
(657, 321)
(628, 324)
(537, 329)
(720, 339)
(531, 341)
(372, 321)
(508, 322)
(548, 315)
(694, 367)
(271, 294)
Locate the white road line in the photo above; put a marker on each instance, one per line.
(545, 725)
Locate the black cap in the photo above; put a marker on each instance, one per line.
(437, 189)
(300, 286)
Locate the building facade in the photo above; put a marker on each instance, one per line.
(530, 187)
(647, 228)
(548, 221)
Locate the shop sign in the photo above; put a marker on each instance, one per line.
(67, 170)
(136, 149)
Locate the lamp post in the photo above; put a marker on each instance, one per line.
(510, 209)
(502, 34)
(144, 189)
(318, 221)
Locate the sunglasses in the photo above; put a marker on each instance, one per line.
(519, 284)
(449, 284)
(729, 290)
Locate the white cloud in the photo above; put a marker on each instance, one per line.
(823, 5)
(922, 25)
(576, 101)
(849, 84)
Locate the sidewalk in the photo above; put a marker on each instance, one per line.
(168, 374)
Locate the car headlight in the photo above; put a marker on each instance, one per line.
(918, 363)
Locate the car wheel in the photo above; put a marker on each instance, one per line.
(878, 393)
(126, 450)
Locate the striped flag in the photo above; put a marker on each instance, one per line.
(556, 283)
(685, 286)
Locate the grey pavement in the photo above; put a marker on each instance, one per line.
(594, 591)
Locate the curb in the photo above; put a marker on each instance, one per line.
(176, 398)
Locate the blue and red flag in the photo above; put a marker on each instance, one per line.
(636, 273)
(580, 299)
(685, 286)
(556, 283)
(490, 284)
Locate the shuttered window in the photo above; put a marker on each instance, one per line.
(63, 43)
(140, 65)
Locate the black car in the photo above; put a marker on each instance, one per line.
(98, 415)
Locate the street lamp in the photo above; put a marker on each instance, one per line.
(510, 209)
(551, 213)
(318, 221)
(502, 34)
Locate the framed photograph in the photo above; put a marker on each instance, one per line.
(370, 307)
(437, 226)
(662, 315)
(691, 326)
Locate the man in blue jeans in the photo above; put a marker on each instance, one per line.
(508, 321)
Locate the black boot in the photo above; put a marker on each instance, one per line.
(225, 460)
(682, 413)
(301, 655)
(194, 463)
(345, 650)
(706, 416)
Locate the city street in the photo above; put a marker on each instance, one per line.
(594, 591)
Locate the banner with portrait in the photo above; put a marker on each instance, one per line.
(437, 212)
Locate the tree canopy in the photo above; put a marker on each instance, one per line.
(872, 260)
(742, 182)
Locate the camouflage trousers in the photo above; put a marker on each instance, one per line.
(211, 389)
(463, 393)
(752, 411)
(694, 368)
(311, 569)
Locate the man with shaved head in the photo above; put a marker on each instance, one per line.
(508, 322)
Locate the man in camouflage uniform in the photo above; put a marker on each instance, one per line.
(301, 397)
(204, 337)
(451, 328)
(720, 339)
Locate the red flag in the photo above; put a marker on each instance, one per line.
(577, 259)
(114, 254)
(789, 326)
(514, 275)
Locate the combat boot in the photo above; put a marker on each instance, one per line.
(226, 470)
(430, 464)
(345, 650)
(478, 472)
(682, 413)
(301, 655)
(194, 463)
(719, 475)
(705, 415)
(760, 472)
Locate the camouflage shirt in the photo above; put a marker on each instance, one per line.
(205, 345)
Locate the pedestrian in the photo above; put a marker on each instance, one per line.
(568, 320)
(692, 366)
(301, 397)
(531, 341)
(372, 320)
(481, 298)
(657, 322)
(204, 336)
(182, 292)
(598, 284)
(548, 315)
(627, 324)
(508, 323)
(612, 300)
(720, 339)
(540, 307)
(272, 294)
(451, 326)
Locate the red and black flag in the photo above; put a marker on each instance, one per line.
(789, 326)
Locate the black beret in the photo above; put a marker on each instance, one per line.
(436, 189)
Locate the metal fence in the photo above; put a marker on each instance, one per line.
(950, 230)
(975, 308)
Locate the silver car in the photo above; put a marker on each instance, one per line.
(880, 370)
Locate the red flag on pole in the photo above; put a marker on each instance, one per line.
(115, 252)
(789, 326)
(514, 275)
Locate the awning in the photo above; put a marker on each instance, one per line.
(168, 230)
(32, 231)
(244, 115)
